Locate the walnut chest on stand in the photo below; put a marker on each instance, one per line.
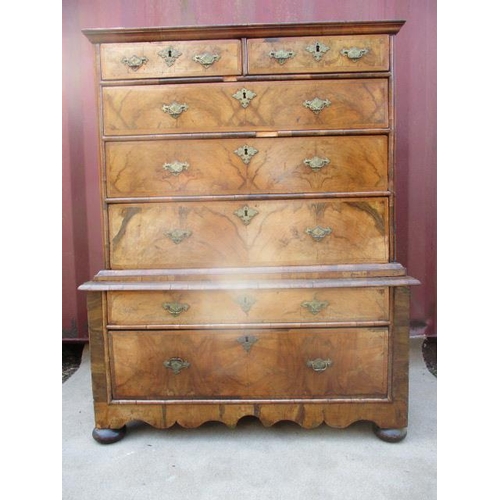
(247, 180)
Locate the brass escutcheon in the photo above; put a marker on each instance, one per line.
(246, 302)
(354, 53)
(317, 50)
(169, 55)
(206, 59)
(178, 235)
(318, 233)
(315, 306)
(318, 364)
(247, 341)
(246, 153)
(244, 96)
(175, 109)
(174, 308)
(134, 62)
(281, 55)
(316, 163)
(176, 167)
(176, 364)
(317, 104)
(246, 214)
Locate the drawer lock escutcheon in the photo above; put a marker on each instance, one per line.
(317, 50)
(178, 235)
(206, 59)
(134, 62)
(176, 167)
(174, 308)
(246, 302)
(281, 55)
(175, 109)
(247, 341)
(169, 55)
(246, 214)
(317, 105)
(319, 365)
(176, 365)
(244, 96)
(246, 153)
(315, 306)
(318, 233)
(354, 53)
(316, 163)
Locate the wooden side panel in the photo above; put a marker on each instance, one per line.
(170, 59)
(248, 306)
(140, 109)
(318, 54)
(251, 165)
(281, 232)
(277, 365)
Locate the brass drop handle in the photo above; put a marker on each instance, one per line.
(178, 235)
(318, 364)
(206, 59)
(316, 163)
(176, 167)
(175, 109)
(281, 55)
(134, 62)
(315, 306)
(174, 308)
(317, 105)
(354, 53)
(318, 233)
(176, 364)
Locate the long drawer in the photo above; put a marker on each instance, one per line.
(229, 107)
(208, 307)
(318, 54)
(249, 364)
(252, 165)
(233, 234)
(170, 59)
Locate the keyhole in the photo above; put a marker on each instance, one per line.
(317, 47)
(246, 151)
(244, 95)
(246, 339)
(246, 212)
(169, 53)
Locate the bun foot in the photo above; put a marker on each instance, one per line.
(108, 436)
(390, 435)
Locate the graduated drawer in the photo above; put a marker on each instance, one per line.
(250, 106)
(252, 233)
(205, 307)
(322, 54)
(170, 59)
(249, 364)
(230, 166)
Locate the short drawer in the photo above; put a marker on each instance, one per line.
(252, 233)
(249, 364)
(252, 106)
(336, 54)
(253, 165)
(192, 307)
(170, 59)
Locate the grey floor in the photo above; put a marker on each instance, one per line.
(250, 462)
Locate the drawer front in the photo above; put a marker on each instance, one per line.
(232, 166)
(279, 364)
(233, 234)
(335, 54)
(170, 59)
(248, 306)
(263, 106)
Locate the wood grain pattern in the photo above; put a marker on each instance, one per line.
(376, 59)
(249, 306)
(229, 62)
(275, 366)
(137, 168)
(276, 235)
(355, 104)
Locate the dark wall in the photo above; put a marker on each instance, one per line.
(415, 62)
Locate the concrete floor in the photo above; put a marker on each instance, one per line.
(250, 462)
